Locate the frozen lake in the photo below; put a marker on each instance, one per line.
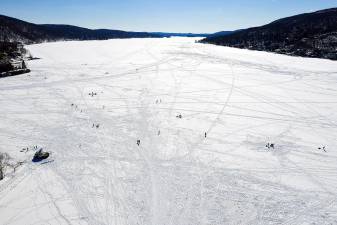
(203, 116)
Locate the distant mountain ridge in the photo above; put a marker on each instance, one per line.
(163, 34)
(310, 35)
(221, 33)
(15, 30)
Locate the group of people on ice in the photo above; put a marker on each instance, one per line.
(95, 125)
(92, 94)
(179, 116)
(270, 145)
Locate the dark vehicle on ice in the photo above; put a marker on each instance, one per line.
(40, 155)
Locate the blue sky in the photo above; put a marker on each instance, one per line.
(160, 15)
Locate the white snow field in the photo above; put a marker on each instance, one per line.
(100, 176)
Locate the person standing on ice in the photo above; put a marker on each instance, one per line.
(205, 134)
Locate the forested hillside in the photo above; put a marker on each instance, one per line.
(309, 35)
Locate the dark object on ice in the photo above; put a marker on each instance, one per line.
(138, 142)
(324, 149)
(40, 155)
(270, 145)
(179, 116)
(33, 58)
(92, 94)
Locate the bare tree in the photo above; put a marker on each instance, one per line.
(4, 163)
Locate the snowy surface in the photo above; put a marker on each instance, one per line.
(242, 99)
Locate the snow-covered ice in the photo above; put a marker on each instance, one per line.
(89, 102)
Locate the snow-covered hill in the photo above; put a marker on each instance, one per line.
(89, 102)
